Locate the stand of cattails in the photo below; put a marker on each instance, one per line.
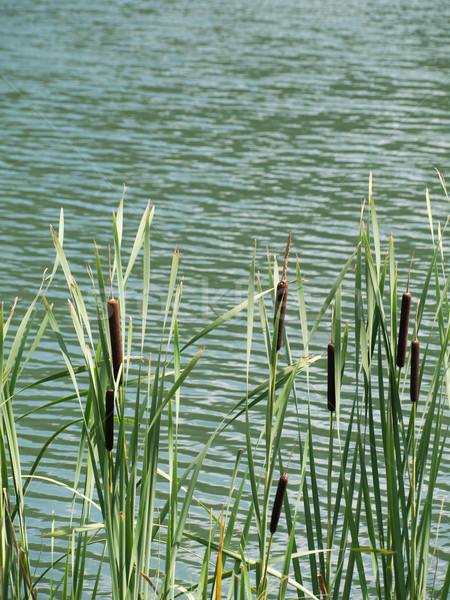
(281, 297)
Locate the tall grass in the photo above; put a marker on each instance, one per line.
(368, 535)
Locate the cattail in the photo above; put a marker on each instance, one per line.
(114, 329)
(331, 379)
(415, 356)
(403, 329)
(323, 587)
(404, 324)
(109, 420)
(281, 297)
(116, 338)
(278, 503)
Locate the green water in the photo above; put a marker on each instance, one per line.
(240, 120)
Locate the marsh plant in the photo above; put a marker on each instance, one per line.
(369, 535)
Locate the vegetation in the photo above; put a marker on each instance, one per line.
(370, 537)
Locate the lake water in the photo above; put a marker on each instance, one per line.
(240, 120)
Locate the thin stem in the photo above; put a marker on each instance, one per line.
(286, 257)
(262, 584)
(110, 275)
(415, 320)
(330, 468)
(409, 272)
(413, 512)
(290, 457)
(332, 322)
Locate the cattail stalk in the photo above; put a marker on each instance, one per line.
(281, 298)
(331, 379)
(414, 384)
(331, 391)
(414, 394)
(109, 420)
(116, 339)
(415, 364)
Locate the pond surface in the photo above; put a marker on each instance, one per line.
(240, 120)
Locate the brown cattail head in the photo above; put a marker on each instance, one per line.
(109, 420)
(116, 338)
(323, 587)
(331, 379)
(281, 297)
(278, 503)
(403, 329)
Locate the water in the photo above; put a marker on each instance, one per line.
(240, 120)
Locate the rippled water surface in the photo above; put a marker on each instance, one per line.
(240, 120)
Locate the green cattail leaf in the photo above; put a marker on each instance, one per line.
(35, 342)
(375, 230)
(372, 550)
(331, 294)
(430, 214)
(302, 309)
(19, 340)
(61, 241)
(172, 282)
(74, 529)
(222, 319)
(145, 279)
(145, 223)
(264, 320)
(65, 486)
(118, 267)
(250, 318)
(43, 450)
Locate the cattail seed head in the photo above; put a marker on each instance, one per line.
(403, 329)
(414, 383)
(116, 337)
(109, 420)
(281, 297)
(323, 587)
(278, 503)
(331, 379)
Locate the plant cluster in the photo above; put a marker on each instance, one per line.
(370, 537)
